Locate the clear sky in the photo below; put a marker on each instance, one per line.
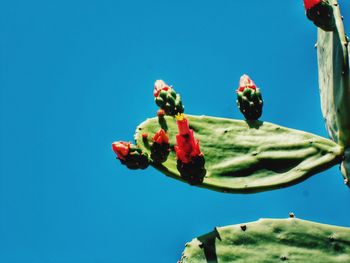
(77, 75)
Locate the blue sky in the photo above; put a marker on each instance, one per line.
(78, 75)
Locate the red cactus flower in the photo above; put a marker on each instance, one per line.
(121, 149)
(160, 85)
(308, 4)
(246, 82)
(187, 146)
(160, 137)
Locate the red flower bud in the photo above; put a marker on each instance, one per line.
(161, 113)
(160, 137)
(121, 149)
(187, 146)
(246, 82)
(160, 85)
(311, 3)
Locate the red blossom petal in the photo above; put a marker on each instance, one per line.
(182, 124)
(160, 137)
(311, 3)
(246, 82)
(196, 149)
(160, 85)
(160, 113)
(165, 137)
(121, 149)
(187, 146)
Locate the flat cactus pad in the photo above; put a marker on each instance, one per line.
(246, 156)
(334, 80)
(271, 240)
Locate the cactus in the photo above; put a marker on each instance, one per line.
(130, 155)
(247, 156)
(252, 156)
(249, 100)
(160, 148)
(321, 13)
(190, 160)
(334, 81)
(167, 98)
(271, 240)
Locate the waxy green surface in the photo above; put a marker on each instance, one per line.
(333, 69)
(247, 156)
(271, 240)
(334, 81)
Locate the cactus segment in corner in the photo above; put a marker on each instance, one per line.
(271, 240)
(246, 156)
(334, 81)
(321, 13)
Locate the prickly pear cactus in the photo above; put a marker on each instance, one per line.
(271, 240)
(252, 156)
(246, 156)
(249, 99)
(334, 81)
(167, 98)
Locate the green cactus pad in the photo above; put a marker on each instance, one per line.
(333, 66)
(271, 240)
(247, 156)
(334, 81)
